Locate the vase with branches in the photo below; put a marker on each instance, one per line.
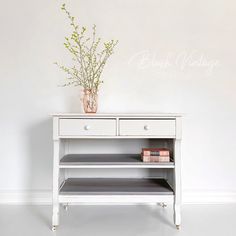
(89, 58)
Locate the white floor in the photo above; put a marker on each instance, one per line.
(140, 220)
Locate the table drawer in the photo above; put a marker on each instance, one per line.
(151, 127)
(87, 127)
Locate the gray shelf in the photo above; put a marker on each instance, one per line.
(115, 186)
(107, 159)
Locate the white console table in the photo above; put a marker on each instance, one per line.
(164, 128)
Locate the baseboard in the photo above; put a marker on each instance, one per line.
(45, 197)
(26, 197)
(208, 197)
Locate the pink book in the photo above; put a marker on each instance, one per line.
(155, 152)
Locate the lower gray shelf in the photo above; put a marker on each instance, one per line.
(115, 186)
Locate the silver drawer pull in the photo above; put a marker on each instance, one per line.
(86, 127)
(146, 127)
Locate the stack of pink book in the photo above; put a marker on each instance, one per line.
(155, 155)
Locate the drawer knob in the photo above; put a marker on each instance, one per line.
(86, 127)
(146, 127)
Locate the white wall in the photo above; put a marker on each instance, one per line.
(182, 35)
